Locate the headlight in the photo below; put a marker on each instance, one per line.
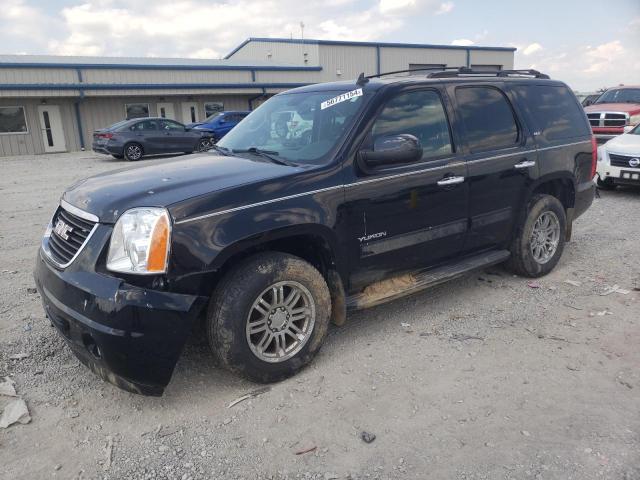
(634, 119)
(140, 242)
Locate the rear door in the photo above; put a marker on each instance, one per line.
(501, 161)
(147, 134)
(413, 215)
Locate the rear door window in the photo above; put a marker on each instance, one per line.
(554, 110)
(418, 113)
(487, 117)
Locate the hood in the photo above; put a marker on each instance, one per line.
(627, 144)
(613, 107)
(165, 183)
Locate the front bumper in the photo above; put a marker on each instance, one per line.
(130, 336)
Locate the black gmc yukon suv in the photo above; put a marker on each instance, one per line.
(327, 198)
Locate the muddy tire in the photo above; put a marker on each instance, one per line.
(269, 316)
(539, 241)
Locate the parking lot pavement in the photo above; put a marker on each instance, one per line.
(488, 377)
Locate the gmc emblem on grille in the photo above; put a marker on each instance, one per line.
(634, 162)
(62, 229)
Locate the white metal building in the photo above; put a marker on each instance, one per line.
(53, 103)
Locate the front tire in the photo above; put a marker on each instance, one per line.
(133, 152)
(269, 316)
(540, 239)
(204, 144)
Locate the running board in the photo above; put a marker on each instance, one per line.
(415, 281)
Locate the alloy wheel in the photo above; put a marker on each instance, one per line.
(280, 321)
(545, 237)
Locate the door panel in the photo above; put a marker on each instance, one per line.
(501, 159)
(165, 110)
(411, 216)
(52, 129)
(189, 112)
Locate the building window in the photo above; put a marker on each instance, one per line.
(434, 67)
(211, 108)
(13, 120)
(136, 110)
(487, 67)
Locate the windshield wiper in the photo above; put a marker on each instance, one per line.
(222, 150)
(268, 154)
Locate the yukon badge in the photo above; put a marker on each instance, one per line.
(62, 229)
(372, 236)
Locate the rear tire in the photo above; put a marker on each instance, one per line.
(540, 238)
(606, 184)
(133, 152)
(269, 316)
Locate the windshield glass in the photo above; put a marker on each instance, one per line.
(620, 95)
(300, 127)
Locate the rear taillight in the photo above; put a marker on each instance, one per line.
(594, 156)
(105, 135)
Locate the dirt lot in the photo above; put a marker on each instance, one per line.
(486, 377)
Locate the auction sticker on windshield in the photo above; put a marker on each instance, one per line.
(343, 97)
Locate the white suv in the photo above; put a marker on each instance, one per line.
(619, 160)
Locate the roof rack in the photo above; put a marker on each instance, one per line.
(451, 72)
(462, 71)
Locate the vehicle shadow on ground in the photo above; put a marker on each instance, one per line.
(146, 158)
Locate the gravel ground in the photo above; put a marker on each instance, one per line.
(482, 378)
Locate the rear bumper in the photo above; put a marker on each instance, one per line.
(130, 336)
(585, 192)
(107, 149)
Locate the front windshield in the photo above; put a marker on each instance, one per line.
(620, 95)
(299, 127)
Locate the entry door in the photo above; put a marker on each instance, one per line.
(408, 216)
(51, 127)
(165, 110)
(189, 112)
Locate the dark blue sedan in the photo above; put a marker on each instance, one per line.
(219, 124)
(135, 138)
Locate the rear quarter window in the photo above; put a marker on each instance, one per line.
(554, 110)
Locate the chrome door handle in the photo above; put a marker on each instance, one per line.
(450, 181)
(525, 164)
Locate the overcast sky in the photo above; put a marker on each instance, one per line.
(589, 44)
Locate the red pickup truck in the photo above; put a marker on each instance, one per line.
(613, 110)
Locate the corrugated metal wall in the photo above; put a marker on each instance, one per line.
(492, 57)
(119, 76)
(279, 53)
(349, 61)
(399, 58)
(32, 142)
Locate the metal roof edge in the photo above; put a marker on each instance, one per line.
(142, 86)
(366, 44)
(131, 66)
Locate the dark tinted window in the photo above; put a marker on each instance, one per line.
(487, 117)
(169, 125)
(555, 111)
(420, 114)
(146, 125)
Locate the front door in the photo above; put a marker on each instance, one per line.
(408, 216)
(176, 137)
(189, 112)
(51, 127)
(165, 110)
(501, 157)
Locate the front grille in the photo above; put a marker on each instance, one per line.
(598, 119)
(62, 250)
(621, 160)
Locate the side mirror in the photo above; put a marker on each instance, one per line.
(392, 150)
(628, 128)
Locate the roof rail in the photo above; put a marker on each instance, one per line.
(438, 69)
(461, 71)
